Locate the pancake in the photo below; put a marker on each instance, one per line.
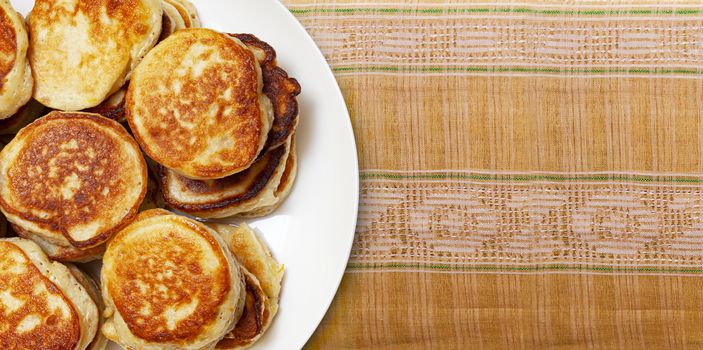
(99, 342)
(247, 191)
(187, 11)
(42, 305)
(75, 78)
(281, 89)
(25, 115)
(15, 73)
(284, 186)
(63, 253)
(169, 282)
(74, 179)
(195, 105)
(264, 275)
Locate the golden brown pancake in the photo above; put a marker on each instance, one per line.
(264, 275)
(75, 77)
(244, 192)
(73, 179)
(15, 73)
(195, 104)
(281, 89)
(170, 282)
(42, 305)
(25, 115)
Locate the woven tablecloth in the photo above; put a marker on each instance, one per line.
(531, 173)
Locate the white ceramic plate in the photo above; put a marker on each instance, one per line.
(312, 232)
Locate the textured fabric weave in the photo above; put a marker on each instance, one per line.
(531, 173)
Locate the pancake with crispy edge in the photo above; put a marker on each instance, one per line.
(74, 77)
(264, 275)
(16, 80)
(195, 104)
(42, 305)
(72, 178)
(170, 282)
(285, 186)
(249, 190)
(281, 89)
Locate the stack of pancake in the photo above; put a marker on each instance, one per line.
(219, 116)
(109, 111)
(170, 282)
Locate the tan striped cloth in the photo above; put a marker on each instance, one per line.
(532, 173)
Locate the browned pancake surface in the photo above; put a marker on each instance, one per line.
(72, 171)
(202, 119)
(165, 270)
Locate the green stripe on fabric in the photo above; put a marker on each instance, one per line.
(485, 177)
(515, 70)
(524, 10)
(543, 268)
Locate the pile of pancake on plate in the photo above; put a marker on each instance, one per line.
(109, 111)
